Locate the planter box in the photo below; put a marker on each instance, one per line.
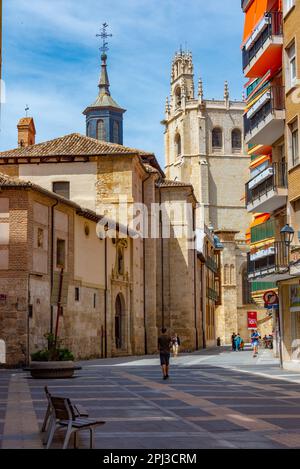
(50, 370)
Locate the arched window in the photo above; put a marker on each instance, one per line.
(232, 275)
(178, 96)
(101, 133)
(236, 140)
(226, 274)
(217, 138)
(116, 132)
(178, 145)
(120, 260)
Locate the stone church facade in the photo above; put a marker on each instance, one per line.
(65, 196)
(204, 146)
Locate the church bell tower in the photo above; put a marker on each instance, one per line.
(104, 118)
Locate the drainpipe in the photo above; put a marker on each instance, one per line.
(105, 297)
(144, 273)
(52, 262)
(195, 284)
(162, 264)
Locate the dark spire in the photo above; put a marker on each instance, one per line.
(104, 118)
(104, 81)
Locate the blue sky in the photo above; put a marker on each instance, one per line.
(51, 60)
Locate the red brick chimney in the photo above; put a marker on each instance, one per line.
(26, 132)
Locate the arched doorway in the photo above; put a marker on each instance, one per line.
(119, 313)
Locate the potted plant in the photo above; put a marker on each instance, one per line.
(54, 361)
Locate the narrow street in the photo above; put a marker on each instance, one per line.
(213, 399)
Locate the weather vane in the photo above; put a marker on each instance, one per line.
(26, 110)
(104, 36)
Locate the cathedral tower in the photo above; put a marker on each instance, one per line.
(104, 118)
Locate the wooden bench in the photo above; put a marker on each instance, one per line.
(64, 416)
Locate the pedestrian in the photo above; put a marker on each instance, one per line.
(238, 342)
(175, 344)
(233, 341)
(242, 345)
(164, 345)
(255, 336)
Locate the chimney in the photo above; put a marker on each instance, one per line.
(26, 132)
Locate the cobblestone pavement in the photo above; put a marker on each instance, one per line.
(213, 399)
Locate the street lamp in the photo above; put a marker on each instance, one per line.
(287, 235)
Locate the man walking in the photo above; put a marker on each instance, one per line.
(255, 336)
(164, 344)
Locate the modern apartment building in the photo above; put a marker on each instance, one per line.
(271, 61)
(264, 127)
(289, 285)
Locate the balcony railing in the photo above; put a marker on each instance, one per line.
(264, 231)
(262, 286)
(273, 178)
(275, 101)
(274, 259)
(271, 26)
(212, 294)
(212, 264)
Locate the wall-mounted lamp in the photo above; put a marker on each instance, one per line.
(287, 235)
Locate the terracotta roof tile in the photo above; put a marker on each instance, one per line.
(71, 145)
(170, 183)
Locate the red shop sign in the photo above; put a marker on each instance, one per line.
(252, 319)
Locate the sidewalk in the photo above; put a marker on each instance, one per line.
(213, 399)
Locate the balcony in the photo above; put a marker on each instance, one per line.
(258, 287)
(264, 231)
(264, 47)
(212, 265)
(213, 295)
(264, 122)
(267, 191)
(269, 264)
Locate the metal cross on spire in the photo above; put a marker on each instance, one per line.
(103, 34)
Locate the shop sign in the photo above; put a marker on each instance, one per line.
(252, 319)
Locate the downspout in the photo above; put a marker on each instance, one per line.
(52, 262)
(105, 297)
(161, 263)
(144, 268)
(195, 283)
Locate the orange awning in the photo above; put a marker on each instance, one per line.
(261, 218)
(259, 161)
(253, 17)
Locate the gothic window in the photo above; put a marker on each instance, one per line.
(178, 145)
(178, 96)
(116, 132)
(236, 139)
(120, 265)
(217, 138)
(232, 275)
(226, 274)
(101, 133)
